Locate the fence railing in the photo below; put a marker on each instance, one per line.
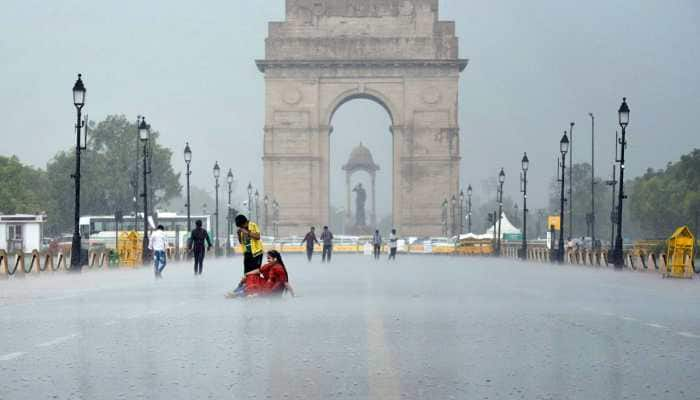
(36, 262)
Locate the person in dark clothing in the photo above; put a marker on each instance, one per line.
(309, 240)
(377, 244)
(196, 245)
(327, 240)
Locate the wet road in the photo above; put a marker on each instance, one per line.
(422, 328)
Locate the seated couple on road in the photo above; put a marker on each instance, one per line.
(270, 280)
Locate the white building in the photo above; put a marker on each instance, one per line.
(21, 232)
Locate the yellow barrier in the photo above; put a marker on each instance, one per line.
(681, 250)
(130, 248)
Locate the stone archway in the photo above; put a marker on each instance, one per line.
(394, 52)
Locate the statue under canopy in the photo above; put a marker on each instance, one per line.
(360, 200)
(361, 160)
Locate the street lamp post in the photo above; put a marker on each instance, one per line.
(250, 201)
(134, 182)
(266, 200)
(525, 163)
(461, 212)
(612, 183)
(571, 180)
(501, 181)
(624, 119)
(188, 173)
(469, 212)
(257, 206)
(492, 220)
(563, 148)
(229, 217)
(144, 135)
(217, 173)
(444, 217)
(592, 217)
(276, 218)
(454, 215)
(78, 102)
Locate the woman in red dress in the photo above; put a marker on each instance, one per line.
(270, 280)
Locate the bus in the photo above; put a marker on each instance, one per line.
(103, 229)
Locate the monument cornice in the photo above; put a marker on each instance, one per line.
(459, 63)
(290, 157)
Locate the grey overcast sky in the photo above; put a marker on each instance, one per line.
(188, 66)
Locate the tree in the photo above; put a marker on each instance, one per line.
(23, 188)
(108, 173)
(665, 199)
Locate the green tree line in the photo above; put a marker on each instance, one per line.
(663, 200)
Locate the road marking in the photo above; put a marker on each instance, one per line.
(657, 326)
(58, 340)
(11, 356)
(689, 335)
(383, 379)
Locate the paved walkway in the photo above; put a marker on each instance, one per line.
(422, 328)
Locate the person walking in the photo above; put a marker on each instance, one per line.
(158, 244)
(393, 245)
(377, 243)
(196, 244)
(327, 239)
(251, 245)
(309, 240)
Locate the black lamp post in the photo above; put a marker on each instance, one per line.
(570, 200)
(525, 164)
(217, 173)
(592, 217)
(188, 172)
(444, 217)
(229, 216)
(624, 119)
(144, 135)
(79, 102)
(454, 215)
(276, 217)
(612, 183)
(134, 182)
(563, 148)
(469, 211)
(461, 212)
(501, 181)
(266, 200)
(257, 206)
(250, 201)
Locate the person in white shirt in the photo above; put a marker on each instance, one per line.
(158, 244)
(393, 244)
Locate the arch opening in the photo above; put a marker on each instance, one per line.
(360, 137)
(369, 96)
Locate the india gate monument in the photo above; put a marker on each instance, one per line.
(393, 52)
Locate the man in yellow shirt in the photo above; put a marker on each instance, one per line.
(251, 245)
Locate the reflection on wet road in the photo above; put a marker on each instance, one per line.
(422, 328)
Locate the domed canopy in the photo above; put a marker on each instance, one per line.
(361, 159)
